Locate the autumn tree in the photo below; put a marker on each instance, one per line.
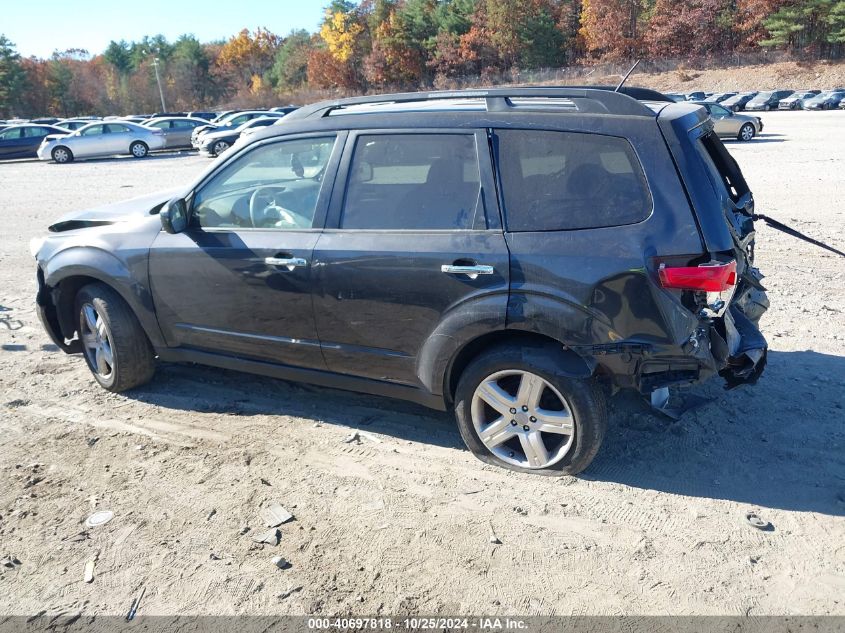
(690, 28)
(247, 57)
(612, 29)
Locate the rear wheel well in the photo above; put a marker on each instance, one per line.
(488, 341)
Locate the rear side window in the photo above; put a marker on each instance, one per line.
(557, 181)
(722, 166)
(412, 181)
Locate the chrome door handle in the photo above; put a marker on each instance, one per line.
(288, 262)
(470, 271)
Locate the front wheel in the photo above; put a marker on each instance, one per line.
(115, 346)
(219, 148)
(746, 132)
(61, 155)
(139, 149)
(517, 410)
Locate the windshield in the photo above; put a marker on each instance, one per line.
(763, 95)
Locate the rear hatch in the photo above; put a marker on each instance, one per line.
(723, 206)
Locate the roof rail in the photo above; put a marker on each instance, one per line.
(497, 100)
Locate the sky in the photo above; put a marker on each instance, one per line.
(39, 28)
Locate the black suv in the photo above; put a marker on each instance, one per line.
(508, 253)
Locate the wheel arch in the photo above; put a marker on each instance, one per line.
(62, 284)
(570, 362)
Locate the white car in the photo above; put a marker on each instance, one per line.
(102, 139)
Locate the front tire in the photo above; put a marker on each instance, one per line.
(139, 149)
(746, 132)
(115, 346)
(516, 409)
(61, 155)
(219, 147)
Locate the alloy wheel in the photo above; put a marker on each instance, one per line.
(60, 155)
(522, 419)
(220, 147)
(96, 341)
(139, 150)
(747, 132)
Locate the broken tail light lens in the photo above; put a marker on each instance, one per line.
(706, 277)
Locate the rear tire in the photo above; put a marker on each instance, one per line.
(746, 132)
(561, 427)
(139, 149)
(61, 155)
(115, 346)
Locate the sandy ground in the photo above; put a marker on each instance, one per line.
(400, 522)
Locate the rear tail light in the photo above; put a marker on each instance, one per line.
(706, 277)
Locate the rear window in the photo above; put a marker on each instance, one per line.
(557, 181)
(722, 166)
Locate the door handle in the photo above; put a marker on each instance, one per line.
(287, 262)
(472, 271)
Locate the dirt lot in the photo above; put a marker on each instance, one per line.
(400, 522)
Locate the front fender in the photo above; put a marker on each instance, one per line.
(128, 278)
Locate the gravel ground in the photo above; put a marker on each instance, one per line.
(400, 521)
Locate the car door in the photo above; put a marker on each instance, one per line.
(89, 142)
(180, 133)
(118, 138)
(413, 242)
(12, 142)
(166, 130)
(724, 122)
(238, 280)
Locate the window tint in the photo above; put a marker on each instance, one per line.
(272, 187)
(717, 110)
(35, 132)
(184, 125)
(115, 128)
(412, 181)
(553, 181)
(162, 125)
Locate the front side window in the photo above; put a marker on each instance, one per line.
(556, 181)
(10, 135)
(412, 182)
(94, 130)
(274, 186)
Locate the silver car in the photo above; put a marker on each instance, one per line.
(102, 139)
(176, 129)
(728, 123)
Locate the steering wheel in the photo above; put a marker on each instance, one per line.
(270, 211)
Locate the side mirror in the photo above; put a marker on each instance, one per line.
(174, 216)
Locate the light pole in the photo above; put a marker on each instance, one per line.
(158, 81)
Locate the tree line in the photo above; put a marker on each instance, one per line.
(380, 44)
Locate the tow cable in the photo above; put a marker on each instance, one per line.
(779, 226)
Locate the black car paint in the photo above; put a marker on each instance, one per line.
(384, 318)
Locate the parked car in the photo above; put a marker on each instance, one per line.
(73, 124)
(215, 142)
(230, 122)
(208, 116)
(738, 102)
(719, 97)
(696, 96)
(101, 139)
(728, 123)
(825, 101)
(285, 109)
(796, 100)
(176, 130)
(357, 251)
(47, 120)
(161, 115)
(676, 97)
(22, 141)
(767, 100)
